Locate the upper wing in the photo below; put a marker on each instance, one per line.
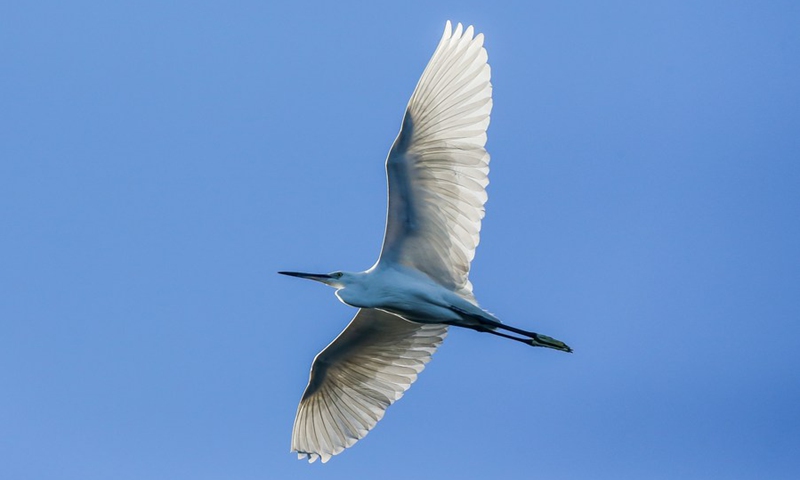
(363, 371)
(438, 167)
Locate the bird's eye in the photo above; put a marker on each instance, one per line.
(338, 274)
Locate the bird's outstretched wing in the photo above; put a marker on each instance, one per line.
(355, 379)
(438, 167)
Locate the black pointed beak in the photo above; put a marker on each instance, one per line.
(320, 277)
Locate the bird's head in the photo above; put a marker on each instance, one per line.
(335, 279)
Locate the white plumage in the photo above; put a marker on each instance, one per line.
(437, 174)
(438, 167)
(364, 370)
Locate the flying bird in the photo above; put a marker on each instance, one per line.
(437, 173)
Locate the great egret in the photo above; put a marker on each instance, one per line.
(437, 174)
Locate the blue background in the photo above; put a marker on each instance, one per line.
(160, 161)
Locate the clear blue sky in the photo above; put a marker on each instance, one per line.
(159, 162)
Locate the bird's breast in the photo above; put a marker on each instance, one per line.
(350, 296)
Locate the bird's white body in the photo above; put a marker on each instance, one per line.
(408, 293)
(437, 173)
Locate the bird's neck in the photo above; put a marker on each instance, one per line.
(356, 291)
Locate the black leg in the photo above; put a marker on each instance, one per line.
(534, 339)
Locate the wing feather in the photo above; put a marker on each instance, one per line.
(438, 167)
(353, 380)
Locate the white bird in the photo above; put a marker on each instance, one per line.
(437, 173)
